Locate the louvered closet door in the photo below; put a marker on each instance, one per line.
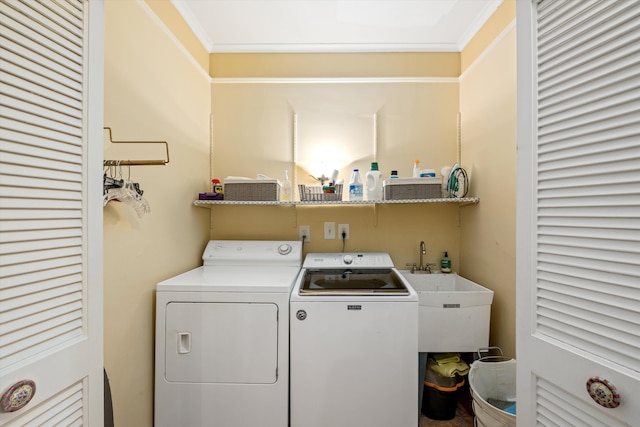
(50, 211)
(579, 213)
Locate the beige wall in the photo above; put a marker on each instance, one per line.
(153, 91)
(253, 124)
(388, 64)
(253, 133)
(488, 124)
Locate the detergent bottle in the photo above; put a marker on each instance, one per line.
(355, 186)
(374, 183)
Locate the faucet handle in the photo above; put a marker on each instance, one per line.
(412, 265)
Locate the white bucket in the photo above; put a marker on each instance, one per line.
(492, 377)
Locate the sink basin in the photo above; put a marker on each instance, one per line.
(454, 312)
(437, 290)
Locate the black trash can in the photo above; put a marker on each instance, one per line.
(440, 403)
(440, 395)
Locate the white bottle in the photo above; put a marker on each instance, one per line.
(416, 168)
(286, 187)
(355, 186)
(374, 183)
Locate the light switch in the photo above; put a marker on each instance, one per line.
(329, 230)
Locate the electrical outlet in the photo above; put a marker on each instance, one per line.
(329, 230)
(304, 231)
(343, 229)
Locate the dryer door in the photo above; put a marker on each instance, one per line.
(221, 342)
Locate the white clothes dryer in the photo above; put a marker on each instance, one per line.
(222, 337)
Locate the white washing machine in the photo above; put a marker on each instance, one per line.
(354, 343)
(222, 337)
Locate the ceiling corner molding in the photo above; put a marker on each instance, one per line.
(479, 22)
(165, 29)
(332, 80)
(193, 22)
(333, 48)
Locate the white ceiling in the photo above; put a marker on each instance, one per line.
(335, 25)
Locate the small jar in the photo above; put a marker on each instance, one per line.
(217, 186)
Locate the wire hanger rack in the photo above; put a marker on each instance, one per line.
(137, 162)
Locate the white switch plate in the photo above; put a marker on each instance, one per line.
(329, 230)
(305, 231)
(343, 228)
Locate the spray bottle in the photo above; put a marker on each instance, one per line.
(416, 168)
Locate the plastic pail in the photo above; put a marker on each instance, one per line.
(493, 379)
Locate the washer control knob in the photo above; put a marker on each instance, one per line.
(301, 315)
(347, 259)
(284, 249)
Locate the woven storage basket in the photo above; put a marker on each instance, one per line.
(251, 190)
(412, 188)
(317, 193)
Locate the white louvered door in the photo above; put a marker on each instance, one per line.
(51, 110)
(578, 233)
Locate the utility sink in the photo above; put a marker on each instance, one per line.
(454, 313)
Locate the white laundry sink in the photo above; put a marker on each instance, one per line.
(454, 312)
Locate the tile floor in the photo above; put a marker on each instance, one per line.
(464, 413)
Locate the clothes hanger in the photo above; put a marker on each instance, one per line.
(127, 192)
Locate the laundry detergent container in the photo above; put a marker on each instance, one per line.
(440, 395)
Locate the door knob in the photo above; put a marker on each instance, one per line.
(17, 396)
(603, 392)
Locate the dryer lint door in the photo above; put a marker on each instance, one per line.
(221, 342)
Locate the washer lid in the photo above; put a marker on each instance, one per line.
(362, 281)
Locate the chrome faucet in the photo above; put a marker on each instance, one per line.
(422, 268)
